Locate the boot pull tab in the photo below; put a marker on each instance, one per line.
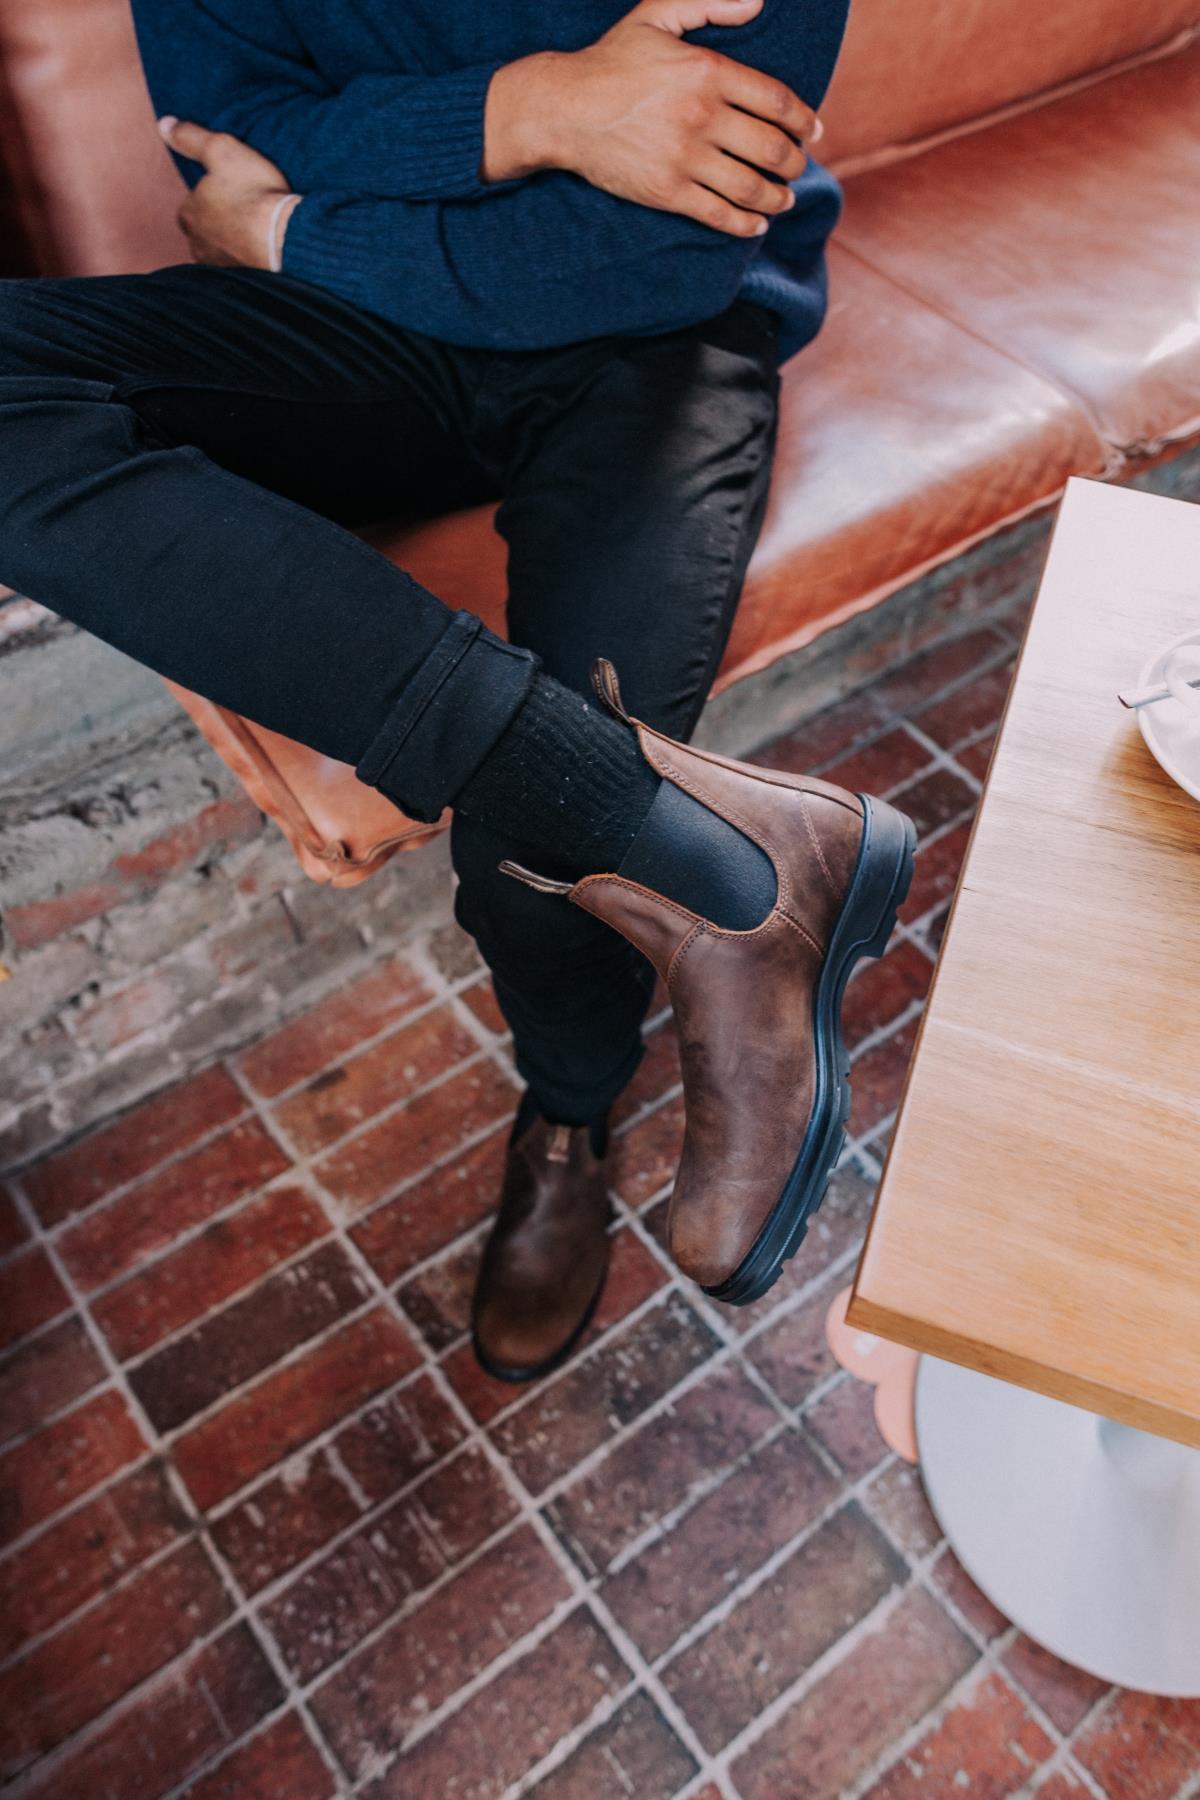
(542, 883)
(604, 680)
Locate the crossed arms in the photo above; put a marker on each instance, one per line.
(642, 169)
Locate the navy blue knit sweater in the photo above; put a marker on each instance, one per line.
(373, 109)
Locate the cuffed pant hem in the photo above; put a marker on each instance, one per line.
(451, 713)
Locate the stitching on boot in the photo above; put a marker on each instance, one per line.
(673, 966)
(635, 887)
(805, 933)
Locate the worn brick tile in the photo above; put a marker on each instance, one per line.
(398, 1439)
(1062, 1785)
(794, 1353)
(1065, 1694)
(877, 1079)
(935, 873)
(280, 1763)
(405, 1143)
(834, 1230)
(674, 1581)
(889, 1680)
(646, 1156)
(934, 930)
(13, 1229)
(976, 759)
(64, 1460)
(150, 1215)
(454, 952)
(656, 1074)
(482, 1395)
(481, 998)
(255, 1429)
(31, 1294)
(635, 1753)
(333, 1027)
(586, 1404)
(881, 766)
(1141, 1747)
(880, 991)
(284, 1520)
(918, 680)
(85, 1553)
(364, 1581)
(896, 1501)
(935, 799)
(368, 1706)
(970, 709)
(370, 1576)
(726, 1678)
(191, 1712)
(476, 1755)
(438, 1299)
(227, 1256)
(843, 1420)
(132, 1145)
(433, 1212)
(661, 1466)
(987, 1746)
(349, 1093)
(45, 1374)
(955, 1585)
(70, 1678)
(634, 1273)
(829, 734)
(247, 1336)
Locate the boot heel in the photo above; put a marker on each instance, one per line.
(881, 884)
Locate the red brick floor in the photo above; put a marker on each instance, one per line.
(268, 1530)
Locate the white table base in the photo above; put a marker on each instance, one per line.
(1084, 1533)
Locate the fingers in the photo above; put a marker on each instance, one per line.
(741, 185)
(774, 151)
(698, 202)
(189, 140)
(768, 99)
(678, 16)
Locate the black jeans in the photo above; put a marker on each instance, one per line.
(181, 455)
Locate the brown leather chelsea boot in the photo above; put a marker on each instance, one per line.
(765, 1070)
(544, 1264)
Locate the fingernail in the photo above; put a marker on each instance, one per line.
(760, 227)
(791, 200)
(167, 124)
(818, 132)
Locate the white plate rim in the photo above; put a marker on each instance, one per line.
(1151, 675)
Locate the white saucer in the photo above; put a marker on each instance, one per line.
(1170, 729)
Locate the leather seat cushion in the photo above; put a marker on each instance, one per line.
(1069, 238)
(912, 68)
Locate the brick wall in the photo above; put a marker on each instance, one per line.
(151, 919)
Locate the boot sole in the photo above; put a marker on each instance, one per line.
(877, 891)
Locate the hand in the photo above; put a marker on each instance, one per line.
(227, 215)
(652, 119)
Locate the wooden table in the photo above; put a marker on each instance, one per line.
(1038, 1219)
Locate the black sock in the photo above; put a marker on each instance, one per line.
(566, 778)
(697, 858)
(572, 782)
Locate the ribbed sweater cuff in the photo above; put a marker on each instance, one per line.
(436, 140)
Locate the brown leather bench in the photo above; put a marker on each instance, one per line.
(1015, 298)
